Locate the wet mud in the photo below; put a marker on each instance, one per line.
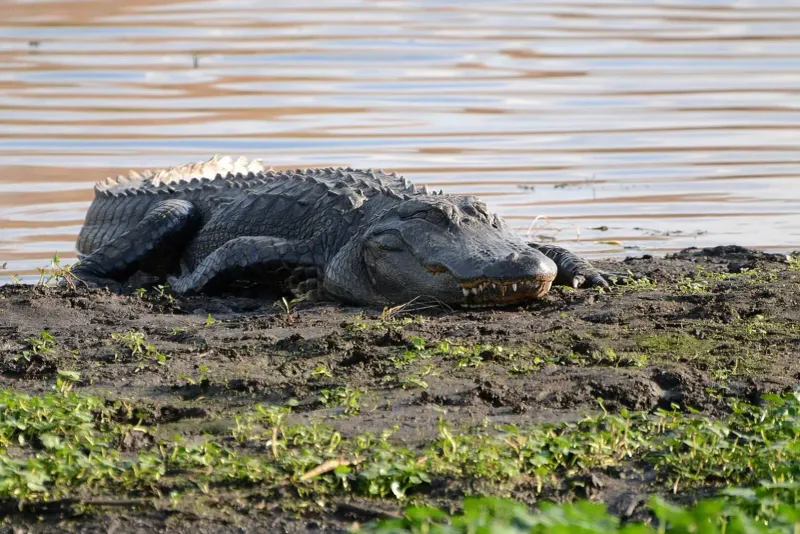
(701, 327)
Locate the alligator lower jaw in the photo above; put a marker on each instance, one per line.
(493, 293)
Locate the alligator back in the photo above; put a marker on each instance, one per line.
(238, 198)
(122, 202)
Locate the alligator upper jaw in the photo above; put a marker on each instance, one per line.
(485, 292)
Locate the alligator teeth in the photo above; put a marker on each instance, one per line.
(514, 287)
(474, 290)
(465, 291)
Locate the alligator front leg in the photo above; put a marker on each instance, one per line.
(115, 261)
(241, 258)
(575, 271)
(306, 283)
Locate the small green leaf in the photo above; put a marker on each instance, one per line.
(50, 441)
(72, 376)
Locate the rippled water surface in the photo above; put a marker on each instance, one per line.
(614, 127)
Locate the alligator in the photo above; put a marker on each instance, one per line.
(357, 236)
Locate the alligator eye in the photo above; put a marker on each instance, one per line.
(478, 210)
(435, 269)
(388, 242)
(432, 215)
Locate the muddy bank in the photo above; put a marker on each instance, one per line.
(700, 327)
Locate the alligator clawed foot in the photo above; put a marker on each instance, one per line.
(587, 278)
(597, 278)
(309, 289)
(574, 271)
(300, 275)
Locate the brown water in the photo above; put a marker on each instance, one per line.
(667, 125)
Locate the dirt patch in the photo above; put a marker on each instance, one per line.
(703, 326)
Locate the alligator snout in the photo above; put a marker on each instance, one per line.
(525, 265)
(497, 293)
(518, 277)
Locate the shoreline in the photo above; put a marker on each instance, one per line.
(704, 328)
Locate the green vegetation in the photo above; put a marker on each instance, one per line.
(463, 355)
(675, 345)
(204, 445)
(344, 396)
(521, 359)
(37, 357)
(287, 307)
(43, 344)
(636, 284)
(136, 343)
(416, 380)
(704, 281)
(161, 292)
(489, 515)
(321, 371)
(56, 273)
(53, 444)
(202, 379)
(390, 319)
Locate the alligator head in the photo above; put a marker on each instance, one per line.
(446, 249)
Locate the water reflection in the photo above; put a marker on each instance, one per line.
(656, 126)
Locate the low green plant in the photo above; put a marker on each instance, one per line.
(162, 293)
(609, 356)
(346, 397)
(38, 348)
(13, 279)
(416, 380)
(391, 318)
(631, 283)
(57, 444)
(136, 343)
(42, 344)
(321, 371)
(495, 515)
(202, 378)
(693, 286)
(56, 273)
(66, 380)
(287, 307)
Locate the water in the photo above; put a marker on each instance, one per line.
(613, 127)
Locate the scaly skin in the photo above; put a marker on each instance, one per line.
(363, 237)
